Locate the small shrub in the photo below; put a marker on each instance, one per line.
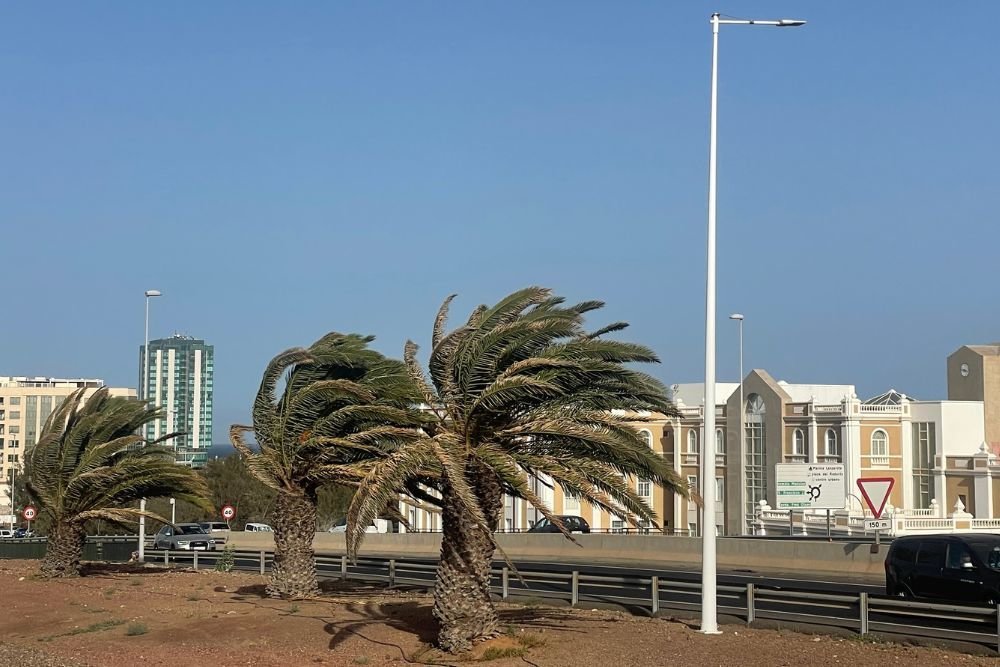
(194, 597)
(530, 640)
(135, 629)
(135, 581)
(294, 609)
(361, 660)
(226, 561)
(496, 653)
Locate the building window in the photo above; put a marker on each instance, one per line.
(756, 463)
(798, 443)
(571, 503)
(832, 449)
(880, 448)
(15, 400)
(692, 441)
(924, 452)
(720, 494)
(692, 485)
(647, 437)
(720, 442)
(15, 414)
(644, 489)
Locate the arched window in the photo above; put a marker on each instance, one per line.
(720, 442)
(832, 448)
(692, 441)
(798, 443)
(647, 437)
(755, 443)
(880, 447)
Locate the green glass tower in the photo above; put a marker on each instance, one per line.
(180, 372)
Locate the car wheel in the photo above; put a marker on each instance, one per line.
(991, 600)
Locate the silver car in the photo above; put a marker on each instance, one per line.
(184, 536)
(219, 530)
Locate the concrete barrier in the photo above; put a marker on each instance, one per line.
(789, 556)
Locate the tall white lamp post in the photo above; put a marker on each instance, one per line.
(709, 618)
(144, 395)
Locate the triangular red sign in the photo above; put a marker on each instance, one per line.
(875, 491)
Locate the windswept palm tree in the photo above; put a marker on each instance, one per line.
(90, 463)
(521, 390)
(342, 404)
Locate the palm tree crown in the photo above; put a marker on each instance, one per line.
(520, 391)
(90, 463)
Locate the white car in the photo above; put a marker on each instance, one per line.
(4, 532)
(258, 528)
(219, 530)
(380, 526)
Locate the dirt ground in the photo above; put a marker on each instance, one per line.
(116, 618)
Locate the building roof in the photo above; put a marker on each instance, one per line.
(824, 394)
(693, 393)
(993, 349)
(891, 397)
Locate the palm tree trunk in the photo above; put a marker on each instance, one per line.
(293, 574)
(64, 550)
(462, 602)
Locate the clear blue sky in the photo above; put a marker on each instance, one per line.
(281, 170)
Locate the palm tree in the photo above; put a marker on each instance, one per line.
(521, 390)
(341, 405)
(90, 463)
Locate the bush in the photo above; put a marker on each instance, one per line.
(226, 562)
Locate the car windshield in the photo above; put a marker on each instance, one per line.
(190, 530)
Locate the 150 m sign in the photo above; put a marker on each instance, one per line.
(810, 486)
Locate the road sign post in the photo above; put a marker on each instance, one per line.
(228, 513)
(29, 513)
(809, 486)
(875, 491)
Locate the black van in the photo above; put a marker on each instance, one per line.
(957, 567)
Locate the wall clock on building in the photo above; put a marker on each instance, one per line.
(964, 369)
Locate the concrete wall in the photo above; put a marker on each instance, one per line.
(792, 556)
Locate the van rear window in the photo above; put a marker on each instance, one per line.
(905, 552)
(931, 553)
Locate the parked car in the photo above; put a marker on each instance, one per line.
(219, 530)
(379, 526)
(184, 536)
(258, 528)
(22, 533)
(6, 532)
(956, 567)
(574, 524)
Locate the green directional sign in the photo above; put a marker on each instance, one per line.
(810, 486)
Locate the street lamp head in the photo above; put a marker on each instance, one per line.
(790, 23)
(153, 292)
(736, 316)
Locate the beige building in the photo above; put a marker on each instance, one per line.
(25, 404)
(934, 450)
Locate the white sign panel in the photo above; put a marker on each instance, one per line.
(876, 524)
(810, 486)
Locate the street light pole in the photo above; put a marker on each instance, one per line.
(709, 618)
(144, 395)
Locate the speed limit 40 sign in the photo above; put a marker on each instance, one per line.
(228, 512)
(29, 513)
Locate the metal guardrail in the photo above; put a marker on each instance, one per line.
(858, 612)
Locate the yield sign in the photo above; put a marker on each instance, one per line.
(876, 492)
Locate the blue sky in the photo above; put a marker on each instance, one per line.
(279, 171)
